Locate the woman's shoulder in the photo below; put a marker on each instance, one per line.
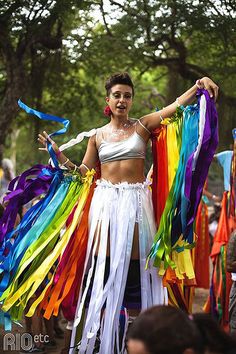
(101, 128)
(133, 120)
(99, 134)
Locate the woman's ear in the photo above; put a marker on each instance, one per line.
(107, 99)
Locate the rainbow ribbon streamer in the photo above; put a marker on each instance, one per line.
(199, 139)
(32, 255)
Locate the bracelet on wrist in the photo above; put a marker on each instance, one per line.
(86, 167)
(65, 162)
(75, 168)
(177, 101)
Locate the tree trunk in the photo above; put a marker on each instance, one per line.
(15, 88)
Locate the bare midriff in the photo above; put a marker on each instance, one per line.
(131, 171)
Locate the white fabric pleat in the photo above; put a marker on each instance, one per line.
(113, 213)
(201, 126)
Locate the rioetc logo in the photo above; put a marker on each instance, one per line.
(23, 341)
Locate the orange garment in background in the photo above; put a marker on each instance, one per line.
(218, 300)
(202, 249)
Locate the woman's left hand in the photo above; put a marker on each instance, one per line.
(209, 85)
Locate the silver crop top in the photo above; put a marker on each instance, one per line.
(134, 147)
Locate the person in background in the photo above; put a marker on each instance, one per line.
(164, 330)
(215, 339)
(7, 176)
(214, 198)
(1, 210)
(231, 267)
(213, 222)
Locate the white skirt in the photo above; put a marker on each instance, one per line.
(114, 210)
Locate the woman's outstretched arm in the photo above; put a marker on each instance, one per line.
(153, 120)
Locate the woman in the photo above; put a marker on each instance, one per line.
(7, 176)
(122, 224)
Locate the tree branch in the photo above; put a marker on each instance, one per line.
(12, 8)
(104, 18)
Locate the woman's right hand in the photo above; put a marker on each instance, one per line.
(43, 138)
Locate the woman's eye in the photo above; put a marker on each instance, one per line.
(115, 95)
(118, 96)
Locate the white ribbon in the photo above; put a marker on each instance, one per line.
(201, 126)
(80, 137)
(114, 211)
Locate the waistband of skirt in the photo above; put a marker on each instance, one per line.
(123, 185)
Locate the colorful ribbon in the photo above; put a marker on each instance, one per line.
(45, 116)
(199, 141)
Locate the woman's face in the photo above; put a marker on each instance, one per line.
(120, 100)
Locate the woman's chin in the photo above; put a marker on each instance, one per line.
(121, 113)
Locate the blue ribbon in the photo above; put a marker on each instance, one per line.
(45, 116)
(30, 227)
(225, 159)
(191, 132)
(5, 320)
(189, 143)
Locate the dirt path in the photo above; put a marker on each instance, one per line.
(199, 299)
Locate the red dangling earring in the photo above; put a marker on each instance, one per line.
(107, 111)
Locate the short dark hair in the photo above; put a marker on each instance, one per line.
(118, 78)
(215, 339)
(166, 330)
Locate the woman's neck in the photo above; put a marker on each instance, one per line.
(120, 122)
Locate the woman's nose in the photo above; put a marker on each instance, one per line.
(122, 98)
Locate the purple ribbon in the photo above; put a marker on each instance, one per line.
(30, 184)
(194, 181)
(208, 147)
